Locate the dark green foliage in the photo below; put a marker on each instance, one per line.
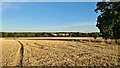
(50, 34)
(108, 21)
(0, 35)
(30, 34)
(96, 35)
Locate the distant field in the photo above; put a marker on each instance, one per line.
(41, 51)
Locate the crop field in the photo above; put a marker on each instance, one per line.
(53, 52)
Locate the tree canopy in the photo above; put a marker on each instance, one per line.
(108, 21)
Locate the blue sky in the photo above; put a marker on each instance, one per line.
(49, 16)
(51, 0)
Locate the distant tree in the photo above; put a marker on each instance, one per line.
(70, 34)
(96, 35)
(49, 34)
(108, 21)
(5, 34)
(0, 35)
(11, 34)
(30, 34)
(37, 34)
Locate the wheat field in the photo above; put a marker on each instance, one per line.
(25, 52)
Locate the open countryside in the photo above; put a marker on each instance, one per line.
(60, 34)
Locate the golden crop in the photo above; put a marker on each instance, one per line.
(58, 53)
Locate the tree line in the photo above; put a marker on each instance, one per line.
(50, 34)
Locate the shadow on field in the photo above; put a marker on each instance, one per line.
(55, 39)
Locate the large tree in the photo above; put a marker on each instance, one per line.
(108, 21)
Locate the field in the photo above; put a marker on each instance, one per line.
(58, 52)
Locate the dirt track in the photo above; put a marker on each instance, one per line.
(58, 53)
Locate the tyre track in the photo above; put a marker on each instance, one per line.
(21, 50)
(19, 55)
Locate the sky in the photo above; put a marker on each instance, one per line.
(49, 17)
(51, 0)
